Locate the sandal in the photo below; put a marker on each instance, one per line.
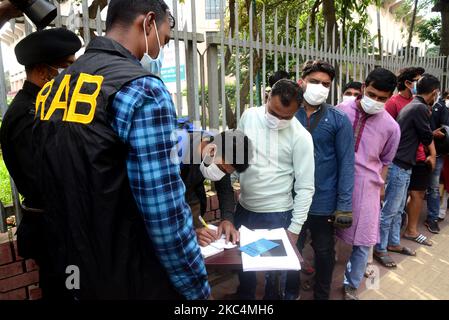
(421, 239)
(369, 271)
(385, 260)
(404, 250)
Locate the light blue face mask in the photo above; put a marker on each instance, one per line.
(414, 91)
(153, 66)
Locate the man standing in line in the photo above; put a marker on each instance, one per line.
(332, 202)
(414, 121)
(374, 151)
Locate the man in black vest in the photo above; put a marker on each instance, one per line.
(44, 54)
(103, 141)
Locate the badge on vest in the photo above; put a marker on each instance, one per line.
(61, 99)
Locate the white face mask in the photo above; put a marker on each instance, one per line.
(153, 66)
(447, 103)
(371, 106)
(316, 94)
(212, 171)
(348, 98)
(274, 123)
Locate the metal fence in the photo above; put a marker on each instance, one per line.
(354, 57)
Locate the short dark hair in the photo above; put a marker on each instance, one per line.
(278, 75)
(382, 80)
(312, 66)
(288, 91)
(408, 74)
(353, 85)
(124, 12)
(239, 153)
(427, 84)
(444, 94)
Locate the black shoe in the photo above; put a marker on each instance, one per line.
(432, 226)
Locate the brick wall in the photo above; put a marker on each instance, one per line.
(19, 278)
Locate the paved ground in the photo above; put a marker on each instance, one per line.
(425, 276)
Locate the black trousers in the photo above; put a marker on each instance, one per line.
(32, 244)
(323, 244)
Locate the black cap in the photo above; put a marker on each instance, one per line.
(47, 46)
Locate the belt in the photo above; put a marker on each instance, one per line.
(31, 210)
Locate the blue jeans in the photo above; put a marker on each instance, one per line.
(391, 215)
(433, 192)
(355, 269)
(248, 281)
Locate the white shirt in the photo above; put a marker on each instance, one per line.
(280, 157)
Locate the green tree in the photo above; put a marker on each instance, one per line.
(350, 15)
(430, 30)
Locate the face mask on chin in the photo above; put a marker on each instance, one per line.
(371, 106)
(211, 171)
(274, 123)
(316, 94)
(154, 66)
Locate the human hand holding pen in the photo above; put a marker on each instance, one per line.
(205, 235)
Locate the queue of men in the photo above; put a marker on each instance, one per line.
(111, 186)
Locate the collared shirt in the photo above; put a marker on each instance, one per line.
(334, 160)
(283, 160)
(15, 139)
(143, 115)
(414, 121)
(393, 106)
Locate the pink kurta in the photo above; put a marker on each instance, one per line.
(376, 140)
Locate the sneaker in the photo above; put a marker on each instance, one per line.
(350, 293)
(432, 226)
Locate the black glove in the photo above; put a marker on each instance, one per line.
(342, 219)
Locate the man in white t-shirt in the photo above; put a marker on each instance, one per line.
(283, 161)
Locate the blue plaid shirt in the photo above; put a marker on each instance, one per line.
(143, 115)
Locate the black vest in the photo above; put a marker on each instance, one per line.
(92, 219)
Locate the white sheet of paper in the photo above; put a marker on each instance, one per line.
(216, 246)
(260, 263)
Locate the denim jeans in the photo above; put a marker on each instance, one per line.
(356, 266)
(391, 215)
(248, 281)
(323, 244)
(433, 192)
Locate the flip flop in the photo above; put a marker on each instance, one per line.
(369, 272)
(421, 239)
(405, 251)
(385, 260)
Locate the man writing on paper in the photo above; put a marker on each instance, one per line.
(214, 158)
(283, 153)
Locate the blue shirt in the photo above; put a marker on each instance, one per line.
(144, 117)
(334, 160)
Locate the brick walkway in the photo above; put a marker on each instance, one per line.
(425, 276)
